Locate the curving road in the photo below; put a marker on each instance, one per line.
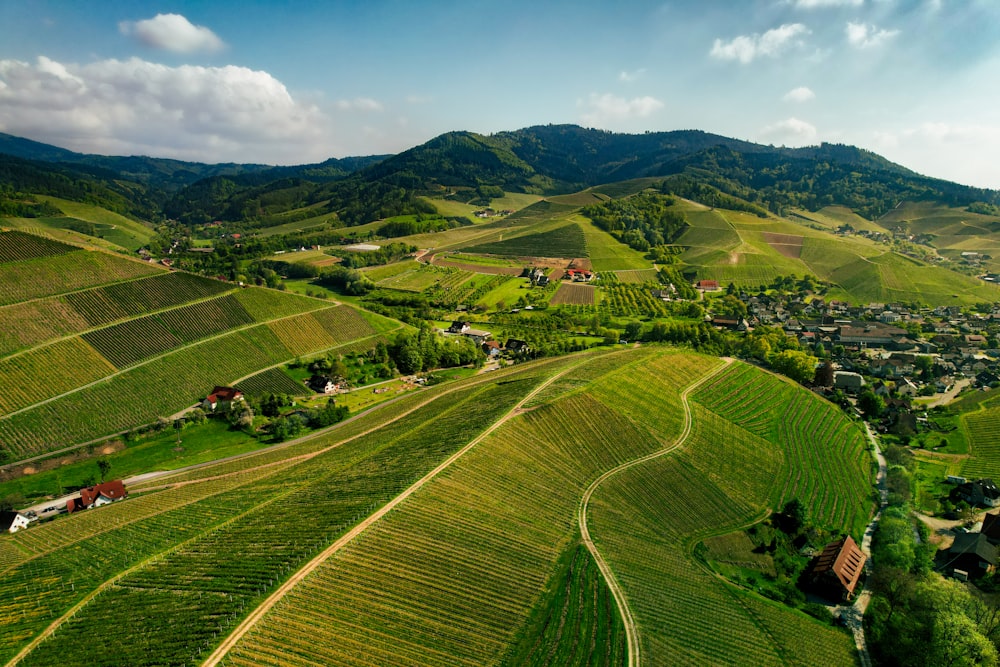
(631, 635)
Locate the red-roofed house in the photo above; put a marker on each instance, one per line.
(838, 568)
(578, 275)
(222, 397)
(98, 495)
(708, 285)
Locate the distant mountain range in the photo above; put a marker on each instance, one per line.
(550, 159)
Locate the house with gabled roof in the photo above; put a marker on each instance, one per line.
(11, 522)
(98, 495)
(982, 493)
(971, 554)
(836, 571)
(224, 397)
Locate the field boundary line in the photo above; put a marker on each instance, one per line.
(80, 334)
(631, 636)
(261, 610)
(52, 627)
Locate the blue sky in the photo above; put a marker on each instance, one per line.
(295, 82)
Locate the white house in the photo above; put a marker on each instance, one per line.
(12, 522)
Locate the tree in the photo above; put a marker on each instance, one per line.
(795, 516)
(797, 365)
(870, 404)
(104, 466)
(633, 330)
(824, 375)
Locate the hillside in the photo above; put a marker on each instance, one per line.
(541, 159)
(92, 344)
(440, 531)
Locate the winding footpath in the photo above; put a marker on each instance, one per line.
(631, 635)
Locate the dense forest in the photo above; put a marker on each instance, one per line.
(642, 221)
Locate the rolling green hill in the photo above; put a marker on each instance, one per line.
(452, 529)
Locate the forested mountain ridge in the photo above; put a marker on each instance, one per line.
(549, 159)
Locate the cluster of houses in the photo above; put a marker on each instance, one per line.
(956, 342)
(491, 213)
(514, 347)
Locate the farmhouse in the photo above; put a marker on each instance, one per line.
(708, 285)
(517, 346)
(96, 496)
(478, 336)
(323, 384)
(11, 522)
(972, 554)
(835, 572)
(578, 275)
(224, 397)
(982, 492)
(458, 327)
(491, 348)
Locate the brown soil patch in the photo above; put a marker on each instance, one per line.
(788, 245)
(82, 454)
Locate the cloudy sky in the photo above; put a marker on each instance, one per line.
(293, 82)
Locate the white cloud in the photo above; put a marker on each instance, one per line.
(866, 35)
(800, 94)
(608, 108)
(818, 4)
(172, 32)
(962, 152)
(419, 99)
(790, 132)
(746, 48)
(138, 107)
(359, 104)
(629, 77)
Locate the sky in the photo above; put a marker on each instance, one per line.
(296, 82)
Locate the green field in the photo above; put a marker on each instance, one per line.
(566, 241)
(607, 254)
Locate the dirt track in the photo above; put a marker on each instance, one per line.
(219, 653)
(631, 635)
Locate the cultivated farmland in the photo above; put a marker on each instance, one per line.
(574, 295)
(484, 563)
(16, 246)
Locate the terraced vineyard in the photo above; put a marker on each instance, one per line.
(82, 364)
(46, 276)
(41, 320)
(566, 241)
(984, 438)
(272, 381)
(17, 246)
(483, 563)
